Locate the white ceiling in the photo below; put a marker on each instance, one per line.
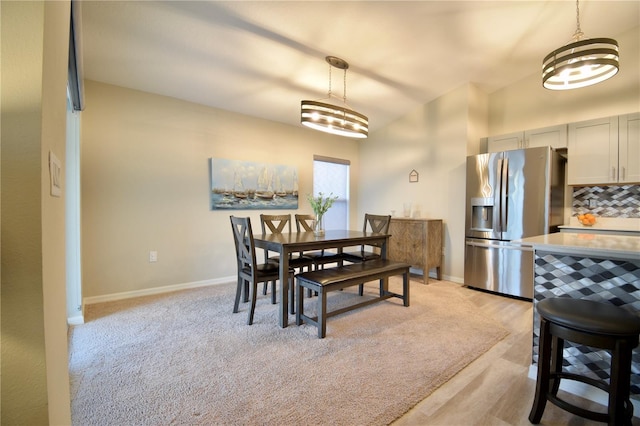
(262, 58)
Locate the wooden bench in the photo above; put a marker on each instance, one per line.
(332, 279)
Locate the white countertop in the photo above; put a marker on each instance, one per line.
(599, 245)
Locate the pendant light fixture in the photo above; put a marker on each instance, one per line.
(335, 119)
(580, 63)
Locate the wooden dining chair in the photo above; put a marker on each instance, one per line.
(372, 223)
(304, 223)
(250, 272)
(277, 224)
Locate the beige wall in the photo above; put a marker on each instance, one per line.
(145, 186)
(434, 140)
(527, 105)
(35, 381)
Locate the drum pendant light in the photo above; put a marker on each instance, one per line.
(580, 63)
(335, 119)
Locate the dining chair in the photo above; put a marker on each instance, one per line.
(249, 270)
(372, 223)
(277, 224)
(304, 223)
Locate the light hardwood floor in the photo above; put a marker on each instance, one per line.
(494, 389)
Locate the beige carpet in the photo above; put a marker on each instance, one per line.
(184, 358)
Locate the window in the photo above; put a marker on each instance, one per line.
(331, 175)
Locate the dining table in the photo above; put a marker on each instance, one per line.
(293, 242)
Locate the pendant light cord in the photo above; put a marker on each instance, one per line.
(578, 34)
(344, 88)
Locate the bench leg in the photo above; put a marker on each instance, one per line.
(299, 302)
(322, 314)
(405, 288)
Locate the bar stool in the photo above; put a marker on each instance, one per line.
(594, 324)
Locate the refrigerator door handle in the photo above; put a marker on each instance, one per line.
(521, 247)
(504, 190)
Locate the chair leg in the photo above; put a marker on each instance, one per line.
(246, 291)
(253, 302)
(542, 383)
(264, 289)
(238, 294)
(274, 298)
(361, 289)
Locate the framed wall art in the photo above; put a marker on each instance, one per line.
(246, 185)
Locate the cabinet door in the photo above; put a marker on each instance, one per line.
(505, 142)
(629, 148)
(593, 152)
(397, 250)
(555, 137)
(415, 243)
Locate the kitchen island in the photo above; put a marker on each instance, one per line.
(604, 268)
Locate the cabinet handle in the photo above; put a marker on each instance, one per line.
(624, 173)
(613, 172)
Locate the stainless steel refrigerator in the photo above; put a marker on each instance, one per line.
(510, 195)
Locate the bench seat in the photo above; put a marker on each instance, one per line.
(332, 279)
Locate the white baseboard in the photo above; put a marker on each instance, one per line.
(583, 390)
(77, 320)
(156, 290)
(433, 274)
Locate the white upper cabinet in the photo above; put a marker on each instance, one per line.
(629, 148)
(555, 137)
(505, 142)
(605, 151)
(593, 152)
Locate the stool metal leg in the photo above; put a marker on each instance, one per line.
(542, 384)
(557, 349)
(620, 408)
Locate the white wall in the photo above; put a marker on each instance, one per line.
(35, 380)
(528, 105)
(145, 186)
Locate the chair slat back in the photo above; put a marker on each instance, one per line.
(276, 223)
(243, 239)
(378, 224)
(304, 222)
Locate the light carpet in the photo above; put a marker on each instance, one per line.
(183, 358)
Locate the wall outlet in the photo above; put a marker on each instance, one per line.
(593, 203)
(153, 256)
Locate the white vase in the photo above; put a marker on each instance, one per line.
(318, 226)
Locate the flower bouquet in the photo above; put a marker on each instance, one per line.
(320, 205)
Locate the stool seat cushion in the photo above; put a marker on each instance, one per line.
(589, 316)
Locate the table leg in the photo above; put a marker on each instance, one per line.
(284, 288)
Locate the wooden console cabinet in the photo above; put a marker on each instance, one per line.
(417, 242)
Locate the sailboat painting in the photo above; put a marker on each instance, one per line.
(245, 185)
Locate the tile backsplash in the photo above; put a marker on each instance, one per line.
(610, 201)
